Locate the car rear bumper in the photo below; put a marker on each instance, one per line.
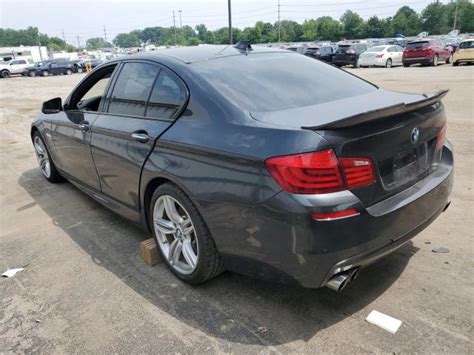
(418, 60)
(340, 60)
(379, 62)
(280, 242)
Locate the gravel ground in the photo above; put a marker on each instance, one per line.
(85, 288)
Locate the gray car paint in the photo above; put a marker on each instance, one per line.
(215, 152)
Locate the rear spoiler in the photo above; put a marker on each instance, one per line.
(382, 113)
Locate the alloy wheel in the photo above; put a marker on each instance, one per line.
(175, 234)
(42, 156)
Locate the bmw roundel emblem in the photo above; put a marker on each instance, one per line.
(415, 134)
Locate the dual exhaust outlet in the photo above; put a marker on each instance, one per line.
(339, 281)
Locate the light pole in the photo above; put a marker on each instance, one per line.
(230, 22)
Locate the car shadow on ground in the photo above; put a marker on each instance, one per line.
(230, 307)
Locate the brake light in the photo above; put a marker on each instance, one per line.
(320, 172)
(358, 172)
(441, 137)
(379, 55)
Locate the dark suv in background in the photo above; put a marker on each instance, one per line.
(348, 54)
(51, 68)
(426, 52)
(324, 53)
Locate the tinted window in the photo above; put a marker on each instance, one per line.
(420, 44)
(132, 89)
(167, 97)
(277, 81)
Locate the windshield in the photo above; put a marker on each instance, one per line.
(466, 45)
(278, 81)
(376, 49)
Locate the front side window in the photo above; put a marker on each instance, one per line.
(90, 94)
(132, 89)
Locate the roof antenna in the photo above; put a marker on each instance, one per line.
(244, 46)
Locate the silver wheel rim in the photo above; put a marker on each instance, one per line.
(176, 235)
(42, 156)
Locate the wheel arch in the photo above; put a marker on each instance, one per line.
(149, 189)
(33, 130)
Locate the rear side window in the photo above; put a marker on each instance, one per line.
(278, 81)
(132, 89)
(167, 97)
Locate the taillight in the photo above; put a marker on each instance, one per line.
(379, 55)
(358, 171)
(441, 137)
(320, 172)
(350, 51)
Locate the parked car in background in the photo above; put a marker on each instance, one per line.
(464, 53)
(177, 142)
(324, 53)
(348, 54)
(426, 52)
(381, 56)
(51, 68)
(90, 62)
(76, 64)
(300, 49)
(14, 67)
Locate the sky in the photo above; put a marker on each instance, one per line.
(86, 19)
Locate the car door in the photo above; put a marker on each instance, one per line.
(17, 66)
(144, 101)
(71, 132)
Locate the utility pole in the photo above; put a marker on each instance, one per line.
(174, 26)
(78, 42)
(455, 15)
(64, 37)
(231, 41)
(279, 23)
(105, 34)
(180, 19)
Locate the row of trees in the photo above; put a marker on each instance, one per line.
(435, 18)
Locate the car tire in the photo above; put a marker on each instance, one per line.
(435, 61)
(69, 72)
(201, 261)
(356, 64)
(449, 59)
(31, 74)
(455, 64)
(388, 63)
(406, 65)
(6, 74)
(44, 73)
(44, 160)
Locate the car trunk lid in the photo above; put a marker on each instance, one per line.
(398, 132)
(417, 49)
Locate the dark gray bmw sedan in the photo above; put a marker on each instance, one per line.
(259, 161)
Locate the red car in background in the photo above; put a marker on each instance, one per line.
(426, 51)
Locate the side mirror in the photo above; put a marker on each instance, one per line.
(52, 106)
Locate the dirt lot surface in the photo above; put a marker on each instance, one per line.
(85, 288)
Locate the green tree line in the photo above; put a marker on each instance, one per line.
(435, 18)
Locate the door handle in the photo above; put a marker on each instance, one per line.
(140, 136)
(84, 126)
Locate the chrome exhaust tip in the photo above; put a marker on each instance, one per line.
(340, 281)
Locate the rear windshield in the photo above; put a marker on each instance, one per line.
(418, 44)
(467, 44)
(278, 81)
(376, 49)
